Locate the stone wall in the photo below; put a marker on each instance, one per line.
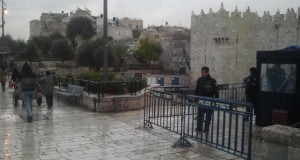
(120, 32)
(276, 143)
(111, 103)
(227, 43)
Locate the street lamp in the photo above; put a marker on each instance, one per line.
(3, 10)
(105, 40)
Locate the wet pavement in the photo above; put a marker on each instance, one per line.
(76, 133)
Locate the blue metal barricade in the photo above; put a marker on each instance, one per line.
(229, 128)
(232, 91)
(223, 124)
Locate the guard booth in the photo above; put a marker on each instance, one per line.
(279, 87)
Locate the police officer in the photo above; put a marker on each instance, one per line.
(251, 90)
(207, 87)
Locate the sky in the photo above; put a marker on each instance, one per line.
(152, 12)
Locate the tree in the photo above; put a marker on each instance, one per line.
(55, 36)
(120, 50)
(136, 33)
(176, 56)
(20, 45)
(61, 49)
(181, 40)
(14, 46)
(45, 42)
(148, 51)
(98, 58)
(90, 54)
(84, 56)
(31, 53)
(80, 26)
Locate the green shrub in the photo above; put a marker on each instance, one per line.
(95, 76)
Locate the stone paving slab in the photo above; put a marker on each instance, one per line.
(73, 133)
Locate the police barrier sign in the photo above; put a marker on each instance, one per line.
(177, 89)
(162, 95)
(213, 103)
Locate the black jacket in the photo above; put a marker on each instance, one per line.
(251, 84)
(207, 86)
(28, 81)
(15, 75)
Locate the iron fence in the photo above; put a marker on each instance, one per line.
(101, 88)
(223, 124)
(234, 91)
(229, 130)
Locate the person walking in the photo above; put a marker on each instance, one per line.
(251, 90)
(207, 87)
(3, 78)
(17, 92)
(15, 75)
(28, 86)
(47, 85)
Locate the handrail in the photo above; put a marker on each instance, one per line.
(100, 88)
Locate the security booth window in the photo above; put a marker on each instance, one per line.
(279, 78)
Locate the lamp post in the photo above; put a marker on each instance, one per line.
(105, 40)
(3, 22)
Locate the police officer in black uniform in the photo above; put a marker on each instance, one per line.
(206, 86)
(251, 90)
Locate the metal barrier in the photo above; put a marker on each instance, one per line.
(230, 130)
(163, 109)
(232, 91)
(223, 124)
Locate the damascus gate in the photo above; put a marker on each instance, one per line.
(227, 42)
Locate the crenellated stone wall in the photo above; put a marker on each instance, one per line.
(227, 42)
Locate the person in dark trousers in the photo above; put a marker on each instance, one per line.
(39, 97)
(3, 78)
(251, 90)
(15, 75)
(47, 85)
(28, 86)
(15, 79)
(207, 87)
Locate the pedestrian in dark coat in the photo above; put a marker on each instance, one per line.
(47, 85)
(15, 75)
(3, 78)
(28, 86)
(207, 87)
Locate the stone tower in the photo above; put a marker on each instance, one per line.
(228, 42)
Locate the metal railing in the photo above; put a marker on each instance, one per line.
(230, 125)
(92, 87)
(234, 91)
(100, 88)
(229, 129)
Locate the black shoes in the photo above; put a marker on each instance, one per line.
(29, 119)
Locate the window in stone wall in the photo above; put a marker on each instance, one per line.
(280, 78)
(222, 40)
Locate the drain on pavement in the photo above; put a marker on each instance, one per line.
(35, 117)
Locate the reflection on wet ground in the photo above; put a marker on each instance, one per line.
(77, 133)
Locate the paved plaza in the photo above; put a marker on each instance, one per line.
(76, 133)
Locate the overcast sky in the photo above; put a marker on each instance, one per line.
(153, 12)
